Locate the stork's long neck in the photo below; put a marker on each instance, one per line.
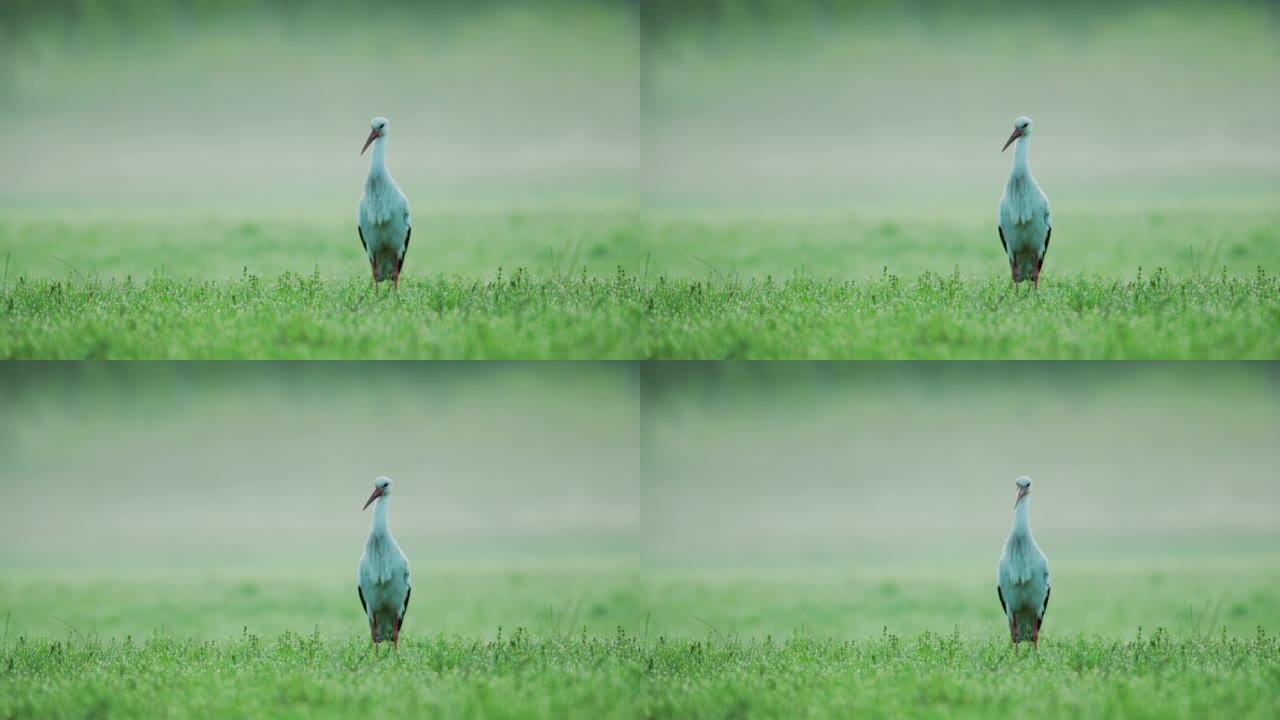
(1021, 520)
(1021, 162)
(381, 524)
(378, 162)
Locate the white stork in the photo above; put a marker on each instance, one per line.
(382, 577)
(382, 218)
(1023, 218)
(1022, 575)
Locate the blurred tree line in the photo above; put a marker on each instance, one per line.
(125, 17)
(661, 17)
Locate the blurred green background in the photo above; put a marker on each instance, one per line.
(759, 137)
(677, 499)
(751, 459)
(211, 105)
(200, 139)
(205, 497)
(838, 139)
(851, 497)
(906, 104)
(755, 137)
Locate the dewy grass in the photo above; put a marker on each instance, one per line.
(519, 315)
(560, 640)
(610, 283)
(623, 675)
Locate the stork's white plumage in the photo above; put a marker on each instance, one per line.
(382, 577)
(1023, 218)
(1022, 575)
(382, 218)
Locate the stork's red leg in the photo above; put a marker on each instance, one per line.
(395, 634)
(1013, 629)
(1035, 276)
(1035, 634)
(373, 628)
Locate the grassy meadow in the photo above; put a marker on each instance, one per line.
(709, 156)
(528, 662)
(592, 284)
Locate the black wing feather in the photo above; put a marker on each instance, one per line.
(1047, 235)
(362, 242)
(1003, 244)
(360, 590)
(405, 609)
(1046, 601)
(1000, 594)
(407, 234)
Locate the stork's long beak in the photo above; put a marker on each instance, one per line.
(377, 493)
(1017, 133)
(1022, 492)
(373, 135)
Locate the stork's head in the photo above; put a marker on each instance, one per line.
(377, 129)
(381, 488)
(1021, 128)
(1023, 484)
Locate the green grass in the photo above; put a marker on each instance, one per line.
(294, 317)
(624, 676)
(1176, 638)
(585, 316)
(598, 283)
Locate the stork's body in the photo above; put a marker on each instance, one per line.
(1022, 575)
(382, 577)
(1023, 220)
(382, 218)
